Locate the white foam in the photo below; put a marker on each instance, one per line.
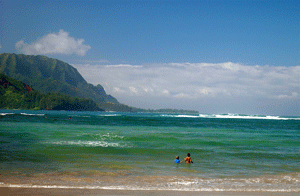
(232, 116)
(236, 116)
(108, 135)
(32, 114)
(90, 143)
(179, 116)
(3, 114)
(49, 186)
(185, 188)
(109, 115)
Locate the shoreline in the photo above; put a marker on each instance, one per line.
(67, 191)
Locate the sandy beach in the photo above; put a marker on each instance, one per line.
(50, 191)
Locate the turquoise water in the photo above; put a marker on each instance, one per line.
(137, 151)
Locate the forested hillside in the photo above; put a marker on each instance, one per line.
(49, 75)
(15, 94)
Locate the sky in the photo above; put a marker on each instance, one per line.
(215, 57)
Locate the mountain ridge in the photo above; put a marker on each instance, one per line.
(15, 94)
(51, 75)
(48, 75)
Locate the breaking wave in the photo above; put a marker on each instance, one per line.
(90, 143)
(233, 116)
(277, 183)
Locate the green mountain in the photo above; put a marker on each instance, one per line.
(59, 79)
(15, 94)
(49, 75)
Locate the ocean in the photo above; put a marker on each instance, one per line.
(136, 151)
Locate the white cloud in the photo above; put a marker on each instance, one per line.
(288, 96)
(196, 83)
(54, 43)
(133, 89)
(166, 92)
(117, 89)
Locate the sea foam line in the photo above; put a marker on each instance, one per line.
(87, 143)
(26, 114)
(91, 144)
(107, 115)
(145, 189)
(3, 114)
(232, 116)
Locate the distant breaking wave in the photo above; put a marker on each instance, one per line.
(3, 114)
(218, 116)
(233, 116)
(24, 114)
(90, 143)
(109, 115)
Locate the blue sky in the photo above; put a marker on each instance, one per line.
(250, 49)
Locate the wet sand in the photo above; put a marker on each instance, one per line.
(53, 191)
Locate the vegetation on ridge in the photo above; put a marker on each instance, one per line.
(18, 95)
(49, 75)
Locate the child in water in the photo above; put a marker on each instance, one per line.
(177, 160)
(188, 158)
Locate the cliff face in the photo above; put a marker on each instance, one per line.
(49, 75)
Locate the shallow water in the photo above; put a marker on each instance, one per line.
(137, 151)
